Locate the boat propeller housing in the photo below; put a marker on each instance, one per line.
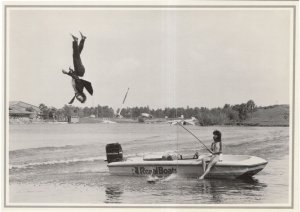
(114, 152)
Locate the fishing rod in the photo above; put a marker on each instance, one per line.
(195, 137)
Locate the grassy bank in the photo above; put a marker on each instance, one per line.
(277, 115)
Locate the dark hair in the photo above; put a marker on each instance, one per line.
(81, 95)
(218, 134)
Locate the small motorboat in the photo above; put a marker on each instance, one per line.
(231, 166)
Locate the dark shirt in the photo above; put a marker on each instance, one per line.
(79, 85)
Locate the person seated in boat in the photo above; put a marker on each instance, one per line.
(216, 149)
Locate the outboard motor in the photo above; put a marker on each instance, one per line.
(114, 152)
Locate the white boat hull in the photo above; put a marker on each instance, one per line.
(232, 166)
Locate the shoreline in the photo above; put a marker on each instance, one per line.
(149, 121)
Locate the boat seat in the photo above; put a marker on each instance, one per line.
(163, 158)
(152, 159)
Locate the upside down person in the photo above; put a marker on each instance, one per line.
(79, 70)
(216, 148)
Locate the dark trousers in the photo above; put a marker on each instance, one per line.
(78, 67)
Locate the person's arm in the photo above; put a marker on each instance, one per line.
(71, 74)
(72, 100)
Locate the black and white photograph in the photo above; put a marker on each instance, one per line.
(150, 105)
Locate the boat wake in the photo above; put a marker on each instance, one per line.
(169, 178)
(56, 162)
(153, 179)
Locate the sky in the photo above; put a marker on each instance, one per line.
(168, 58)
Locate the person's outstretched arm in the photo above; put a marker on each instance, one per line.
(72, 100)
(71, 74)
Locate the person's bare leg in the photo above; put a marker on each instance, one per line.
(213, 161)
(206, 171)
(203, 164)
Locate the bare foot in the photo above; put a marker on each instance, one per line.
(74, 38)
(82, 36)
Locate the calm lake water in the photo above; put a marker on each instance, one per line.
(64, 164)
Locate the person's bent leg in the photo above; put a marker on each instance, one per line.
(76, 56)
(213, 161)
(75, 50)
(81, 44)
(78, 67)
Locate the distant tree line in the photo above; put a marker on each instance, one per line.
(229, 114)
(69, 110)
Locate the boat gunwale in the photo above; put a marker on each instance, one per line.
(122, 164)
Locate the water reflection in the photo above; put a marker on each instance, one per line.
(185, 190)
(219, 190)
(211, 189)
(113, 193)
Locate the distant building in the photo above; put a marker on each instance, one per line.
(73, 119)
(146, 115)
(23, 110)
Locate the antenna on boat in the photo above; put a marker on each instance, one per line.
(195, 137)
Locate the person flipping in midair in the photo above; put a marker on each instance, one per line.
(79, 70)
